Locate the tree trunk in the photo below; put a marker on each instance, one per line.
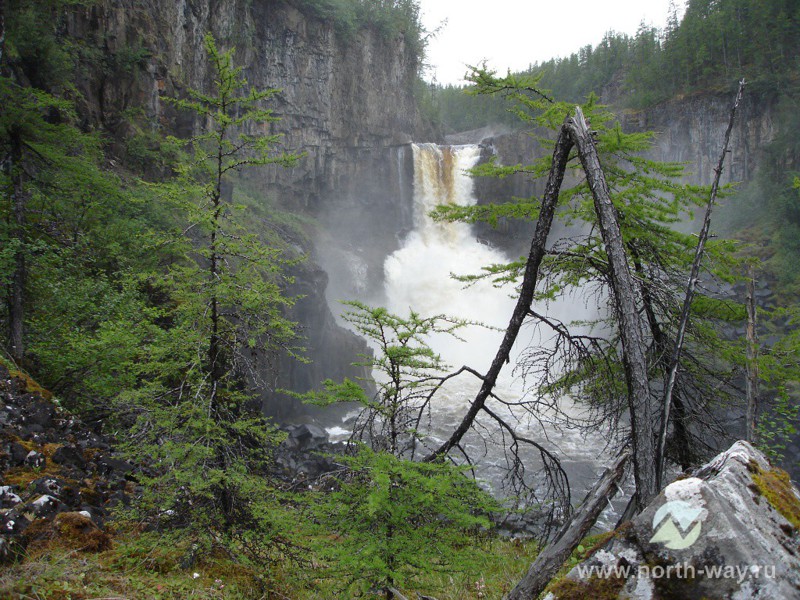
(575, 132)
(690, 289)
(681, 435)
(640, 405)
(752, 360)
(553, 556)
(17, 289)
(2, 29)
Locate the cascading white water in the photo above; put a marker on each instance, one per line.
(418, 276)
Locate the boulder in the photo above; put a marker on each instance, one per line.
(8, 497)
(306, 437)
(69, 455)
(730, 531)
(35, 460)
(77, 530)
(109, 466)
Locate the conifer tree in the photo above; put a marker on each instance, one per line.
(397, 516)
(588, 367)
(211, 444)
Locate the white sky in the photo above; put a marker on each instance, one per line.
(515, 33)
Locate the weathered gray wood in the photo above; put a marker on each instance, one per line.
(640, 404)
(690, 290)
(575, 132)
(553, 556)
(752, 360)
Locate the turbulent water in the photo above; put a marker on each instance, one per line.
(419, 276)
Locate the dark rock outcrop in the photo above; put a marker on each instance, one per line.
(346, 102)
(730, 531)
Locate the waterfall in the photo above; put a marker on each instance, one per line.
(419, 274)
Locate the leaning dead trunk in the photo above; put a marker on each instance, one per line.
(690, 291)
(640, 405)
(752, 360)
(553, 556)
(535, 256)
(574, 132)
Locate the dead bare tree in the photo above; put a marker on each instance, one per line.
(575, 133)
(553, 556)
(690, 292)
(752, 360)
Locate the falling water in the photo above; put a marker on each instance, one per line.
(419, 276)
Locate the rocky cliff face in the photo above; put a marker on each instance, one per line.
(688, 130)
(346, 102)
(691, 130)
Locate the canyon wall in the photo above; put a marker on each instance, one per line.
(688, 130)
(345, 101)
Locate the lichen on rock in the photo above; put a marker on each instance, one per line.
(709, 536)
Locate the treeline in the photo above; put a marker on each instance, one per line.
(716, 42)
(390, 17)
(712, 46)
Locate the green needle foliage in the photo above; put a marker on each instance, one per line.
(397, 518)
(196, 417)
(650, 203)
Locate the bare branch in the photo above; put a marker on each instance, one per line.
(690, 291)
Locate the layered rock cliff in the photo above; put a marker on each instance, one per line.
(346, 101)
(688, 130)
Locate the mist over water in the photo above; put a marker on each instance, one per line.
(418, 276)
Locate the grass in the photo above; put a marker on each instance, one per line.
(148, 566)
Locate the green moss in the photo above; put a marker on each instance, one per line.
(29, 383)
(596, 588)
(776, 487)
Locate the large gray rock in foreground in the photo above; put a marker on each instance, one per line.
(728, 531)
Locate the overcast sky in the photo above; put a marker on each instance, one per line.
(515, 33)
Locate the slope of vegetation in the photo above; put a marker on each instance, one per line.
(142, 295)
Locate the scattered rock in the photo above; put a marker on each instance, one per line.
(63, 467)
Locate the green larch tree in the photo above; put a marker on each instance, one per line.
(226, 309)
(647, 201)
